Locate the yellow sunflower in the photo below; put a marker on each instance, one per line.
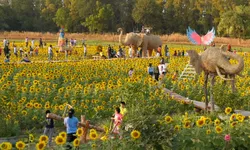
(218, 129)
(31, 138)
(200, 122)
(106, 129)
(228, 110)
(63, 134)
(168, 119)
(92, 130)
(240, 117)
(177, 127)
(135, 134)
(5, 146)
(79, 132)
(187, 124)
(41, 145)
(93, 135)
(76, 142)
(104, 138)
(232, 117)
(24, 112)
(44, 138)
(233, 124)
(60, 140)
(216, 122)
(20, 145)
(208, 131)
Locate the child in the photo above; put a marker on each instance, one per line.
(123, 109)
(57, 52)
(174, 77)
(49, 127)
(36, 50)
(117, 122)
(131, 71)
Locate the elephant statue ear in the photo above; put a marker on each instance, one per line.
(140, 40)
(223, 47)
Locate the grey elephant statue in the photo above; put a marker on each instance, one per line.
(215, 61)
(145, 41)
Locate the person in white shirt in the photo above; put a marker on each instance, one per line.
(162, 69)
(5, 41)
(50, 52)
(85, 50)
(130, 51)
(21, 51)
(32, 43)
(15, 50)
(26, 41)
(131, 71)
(75, 42)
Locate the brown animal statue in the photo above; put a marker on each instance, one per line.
(145, 41)
(215, 61)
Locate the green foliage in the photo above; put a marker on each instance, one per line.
(145, 9)
(230, 18)
(62, 17)
(101, 20)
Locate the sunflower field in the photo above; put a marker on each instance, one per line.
(95, 88)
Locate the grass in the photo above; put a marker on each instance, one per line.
(115, 43)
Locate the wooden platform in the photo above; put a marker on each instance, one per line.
(197, 104)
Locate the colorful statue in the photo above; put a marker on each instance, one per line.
(61, 41)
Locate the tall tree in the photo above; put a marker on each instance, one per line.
(148, 13)
(48, 12)
(26, 12)
(101, 20)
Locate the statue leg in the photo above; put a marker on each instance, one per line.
(233, 83)
(225, 82)
(205, 90)
(150, 53)
(211, 92)
(134, 51)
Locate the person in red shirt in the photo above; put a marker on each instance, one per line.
(229, 48)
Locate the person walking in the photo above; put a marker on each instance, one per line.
(71, 124)
(166, 51)
(41, 43)
(85, 50)
(151, 70)
(6, 50)
(49, 127)
(117, 122)
(156, 73)
(15, 51)
(50, 53)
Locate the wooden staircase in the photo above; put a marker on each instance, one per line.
(188, 72)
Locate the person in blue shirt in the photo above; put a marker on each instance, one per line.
(71, 123)
(151, 69)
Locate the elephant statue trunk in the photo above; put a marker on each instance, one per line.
(120, 36)
(229, 68)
